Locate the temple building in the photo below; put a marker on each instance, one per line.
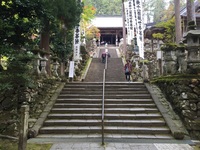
(111, 28)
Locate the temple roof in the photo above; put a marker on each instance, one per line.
(183, 11)
(108, 22)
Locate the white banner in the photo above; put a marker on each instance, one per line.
(77, 43)
(71, 69)
(127, 20)
(131, 19)
(139, 26)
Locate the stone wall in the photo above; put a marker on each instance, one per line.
(38, 98)
(184, 96)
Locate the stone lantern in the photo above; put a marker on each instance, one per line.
(193, 47)
(43, 63)
(55, 68)
(36, 65)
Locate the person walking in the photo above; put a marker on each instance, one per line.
(103, 57)
(127, 70)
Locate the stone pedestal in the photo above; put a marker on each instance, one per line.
(169, 62)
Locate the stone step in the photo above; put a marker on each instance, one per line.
(86, 92)
(106, 83)
(74, 105)
(107, 101)
(116, 96)
(94, 122)
(116, 136)
(107, 110)
(107, 116)
(107, 129)
(130, 112)
(109, 87)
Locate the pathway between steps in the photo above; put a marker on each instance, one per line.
(114, 72)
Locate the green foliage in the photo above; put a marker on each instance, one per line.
(62, 43)
(174, 78)
(13, 145)
(17, 78)
(169, 33)
(68, 12)
(17, 22)
(169, 47)
(106, 7)
(92, 32)
(88, 13)
(158, 36)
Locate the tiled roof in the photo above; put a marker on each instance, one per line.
(183, 11)
(108, 22)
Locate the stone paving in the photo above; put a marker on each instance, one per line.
(119, 146)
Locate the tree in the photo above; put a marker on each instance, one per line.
(17, 23)
(155, 10)
(92, 32)
(106, 7)
(169, 33)
(66, 12)
(190, 11)
(177, 21)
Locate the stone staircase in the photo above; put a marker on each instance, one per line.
(130, 113)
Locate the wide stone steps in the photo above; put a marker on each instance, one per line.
(107, 129)
(112, 136)
(129, 111)
(99, 92)
(107, 116)
(94, 122)
(107, 110)
(117, 96)
(107, 101)
(75, 105)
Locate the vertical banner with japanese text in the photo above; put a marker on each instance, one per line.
(77, 43)
(137, 4)
(131, 19)
(127, 20)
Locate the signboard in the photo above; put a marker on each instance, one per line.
(71, 69)
(77, 43)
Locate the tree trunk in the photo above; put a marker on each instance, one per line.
(44, 44)
(177, 21)
(190, 11)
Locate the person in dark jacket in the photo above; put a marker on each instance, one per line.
(127, 70)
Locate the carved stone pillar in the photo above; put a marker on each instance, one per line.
(55, 69)
(36, 65)
(43, 63)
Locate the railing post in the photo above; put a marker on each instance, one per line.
(23, 127)
(102, 119)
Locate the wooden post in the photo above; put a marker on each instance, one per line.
(23, 127)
